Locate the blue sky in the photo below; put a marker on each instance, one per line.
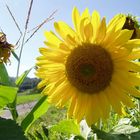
(41, 10)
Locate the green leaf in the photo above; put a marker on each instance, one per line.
(38, 135)
(39, 109)
(135, 135)
(78, 138)
(124, 133)
(124, 129)
(9, 130)
(67, 126)
(46, 131)
(21, 78)
(12, 108)
(7, 95)
(4, 78)
(15, 55)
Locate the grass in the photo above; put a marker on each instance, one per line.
(22, 99)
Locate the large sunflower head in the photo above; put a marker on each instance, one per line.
(90, 67)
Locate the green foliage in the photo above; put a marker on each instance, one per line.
(15, 55)
(78, 138)
(7, 95)
(120, 132)
(67, 126)
(124, 129)
(39, 109)
(38, 135)
(45, 131)
(9, 130)
(21, 78)
(52, 116)
(4, 78)
(60, 131)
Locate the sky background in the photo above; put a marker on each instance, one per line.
(41, 10)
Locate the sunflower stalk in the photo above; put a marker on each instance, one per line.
(35, 29)
(139, 105)
(24, 35)
(10, 12)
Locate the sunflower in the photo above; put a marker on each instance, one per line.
(90, 68)
(5, 49)
(131, 23)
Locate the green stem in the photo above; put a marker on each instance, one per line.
(22, 45)
(12, 108)
(138, 105)
(100, 124)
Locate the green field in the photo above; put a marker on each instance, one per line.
(21, 99)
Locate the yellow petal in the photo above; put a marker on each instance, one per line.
(95, 20)
(134, 66)
(80, 107)
(113, 21)
(110, 37)
(85, 14)
(134, 79)
(117, 22)
(50, 45)
(41, 58)
(124, 36)
(71, 109)
(56, 95)
(119, 79)
(49, 89)
(138, 33)
(131, 44)
(75, 18)
(52, 38)
(133, 91)
(123, 97)
(120, 23)
(66, 96)
(88, 31)
(65, 47)
(57, 56)
(104, 105)
(42, 83)
(135, 54)
(71, 41)
(101, 32)
(119, 54)
(63, 29)
(114, 100)
(93, 111)
(82, 26)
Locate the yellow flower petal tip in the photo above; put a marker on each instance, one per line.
(90, 67)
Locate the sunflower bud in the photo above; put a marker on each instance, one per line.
(132, 24)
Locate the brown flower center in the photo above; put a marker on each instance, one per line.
(89, 68)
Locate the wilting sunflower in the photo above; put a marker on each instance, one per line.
(5, 49)
(90, 68)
